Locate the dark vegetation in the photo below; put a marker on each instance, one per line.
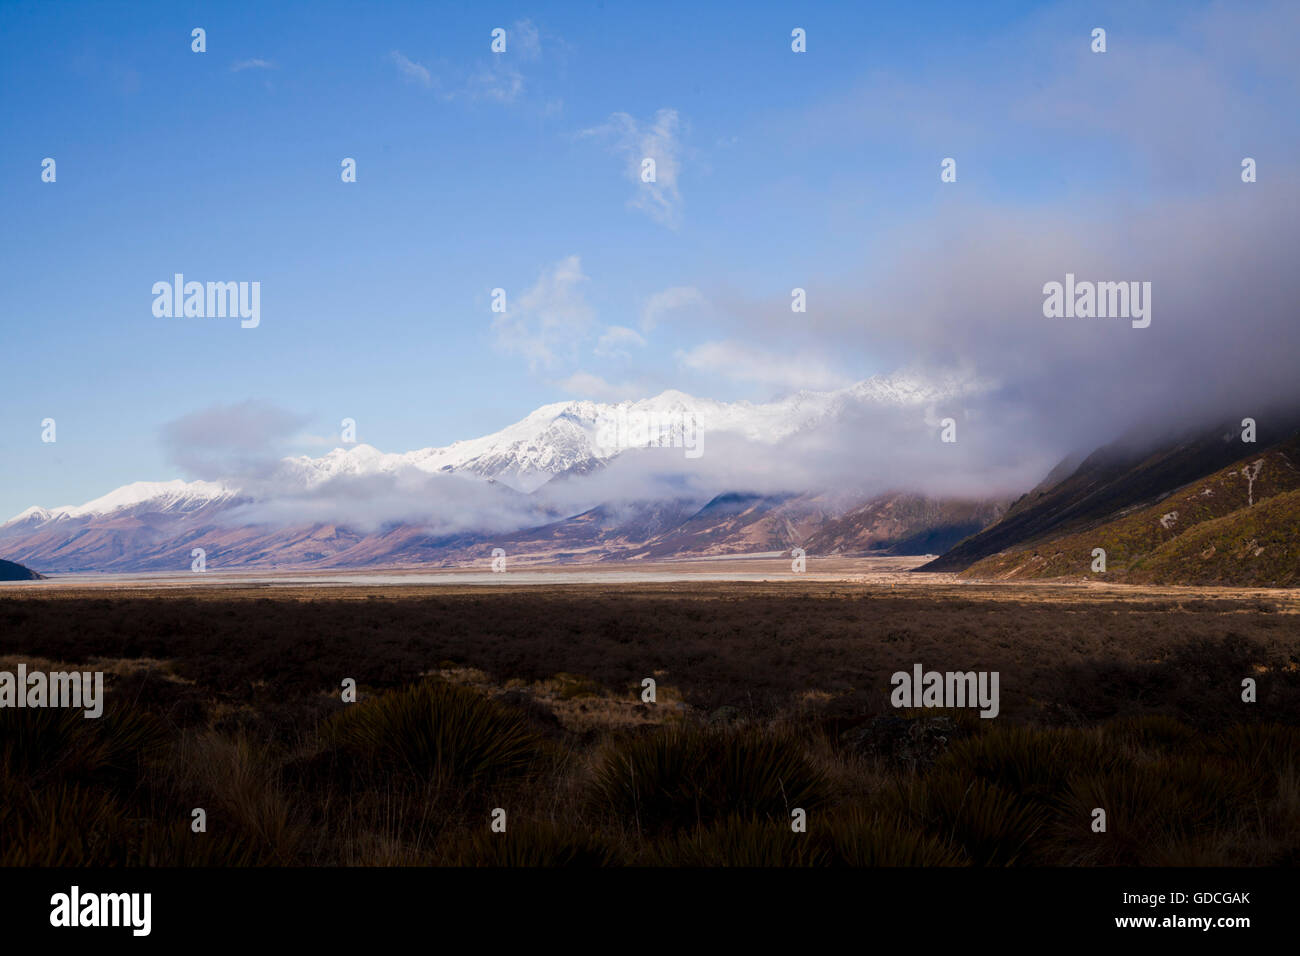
(1121, 477)
(771, 699)
(1238, 526)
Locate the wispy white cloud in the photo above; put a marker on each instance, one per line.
(616, 340)
(587, 385)
(668, 300)
(783, 371)
(313, 440)
(498, 82)
(547, 322)
(494, 77)
(253, 64)
(635, 142)
(524, 41)
(411, 70)
(499, 78)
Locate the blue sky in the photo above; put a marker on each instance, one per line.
(478, 171)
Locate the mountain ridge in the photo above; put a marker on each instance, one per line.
(553, 440)
(1131, 472)
(1238, 524)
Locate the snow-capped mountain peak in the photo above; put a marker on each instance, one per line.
(162, 496)
(554, 439)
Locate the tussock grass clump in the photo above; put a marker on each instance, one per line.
(684, 776)
(50, 743)
(1154, 732)
(178, 845)
(130, 739)
(991, 824)
(64, 824)
(437, 731)
(1150, 807)
(1032, 763)
(860, 838)
(1215, 795)
(60, 825)
(1259, 746)
(534, 844)
(235, 780)
(737, 841)
(46, 742)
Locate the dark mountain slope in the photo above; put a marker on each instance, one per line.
(9, 571)
(1126, 475)
(1236, 526)
(903, 524)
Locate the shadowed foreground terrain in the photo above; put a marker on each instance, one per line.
(770, 697)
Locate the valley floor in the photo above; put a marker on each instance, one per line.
(772, 572)
(224, 693)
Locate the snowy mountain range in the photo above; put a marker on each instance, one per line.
(553, 440)
(510, 475)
